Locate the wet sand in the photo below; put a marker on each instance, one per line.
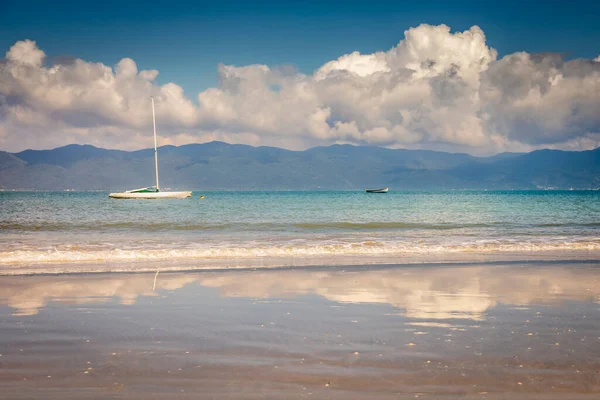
(473, 331)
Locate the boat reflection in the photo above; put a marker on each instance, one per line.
(431, 293)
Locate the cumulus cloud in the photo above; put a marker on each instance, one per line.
(541, 99)
(81, 102)
(436, 89)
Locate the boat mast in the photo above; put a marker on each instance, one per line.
(155, 150)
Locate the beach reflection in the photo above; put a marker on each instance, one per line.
(432, 293)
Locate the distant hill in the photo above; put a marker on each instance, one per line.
(222, 166)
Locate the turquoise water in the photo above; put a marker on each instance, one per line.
(39, 230)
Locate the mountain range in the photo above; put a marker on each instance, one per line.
(222, 166)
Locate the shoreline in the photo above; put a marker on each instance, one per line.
(295, 262)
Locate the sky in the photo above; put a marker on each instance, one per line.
(469, 76)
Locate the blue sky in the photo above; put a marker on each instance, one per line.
(185, 40)
(472, 76)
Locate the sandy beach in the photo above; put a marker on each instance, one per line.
(476, 331)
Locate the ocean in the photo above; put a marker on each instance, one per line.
(58, 232)
(337, 295)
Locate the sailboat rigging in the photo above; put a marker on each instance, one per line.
(151, 192)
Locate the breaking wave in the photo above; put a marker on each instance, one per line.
(83, 254)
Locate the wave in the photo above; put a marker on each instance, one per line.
(389, 225)
(366, 248)
(264, 226)
(99, 226)
(161, 226)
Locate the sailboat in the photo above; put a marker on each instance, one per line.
(153, 192)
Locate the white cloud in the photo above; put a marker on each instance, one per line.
(435, 89)
(423, 90)
(26, 52)
(361, 65)
(541, 99)
(81, 102)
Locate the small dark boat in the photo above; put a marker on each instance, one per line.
(382, 190)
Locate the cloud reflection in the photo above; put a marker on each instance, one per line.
(436, 293)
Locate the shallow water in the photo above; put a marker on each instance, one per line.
(228, 229)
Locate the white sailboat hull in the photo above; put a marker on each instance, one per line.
(151, 195)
